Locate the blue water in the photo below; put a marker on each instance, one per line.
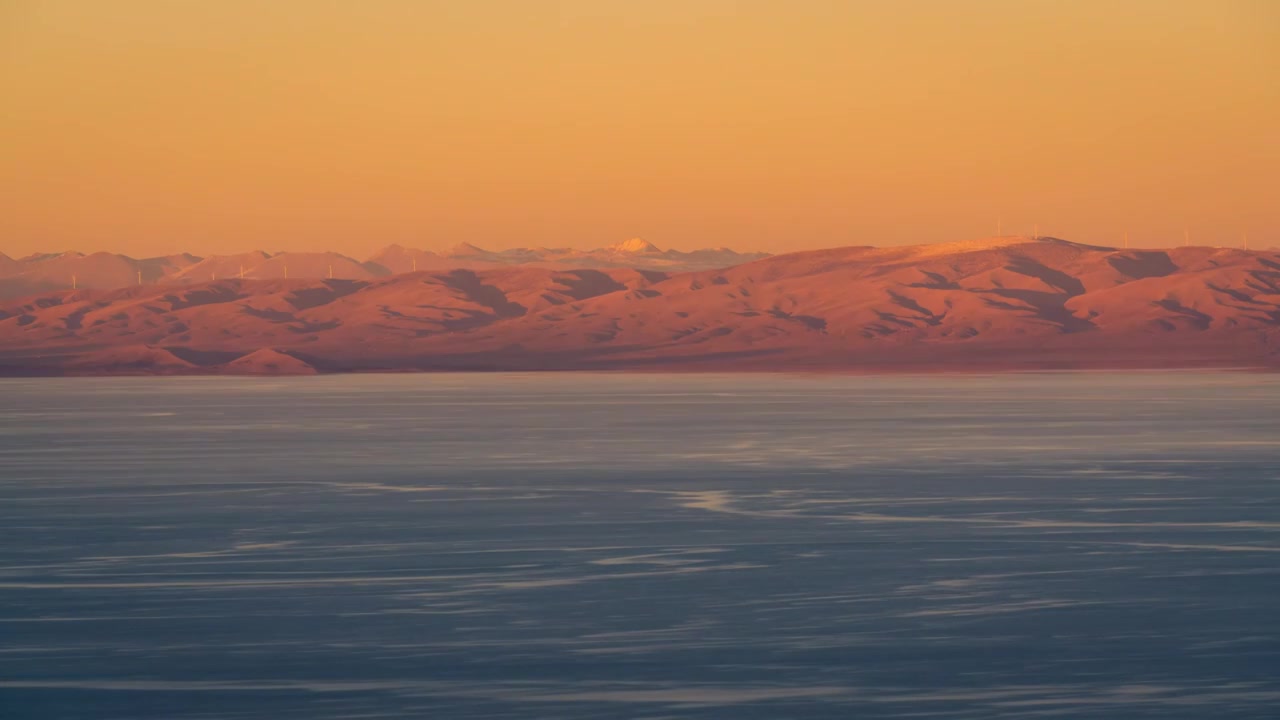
(641, 546)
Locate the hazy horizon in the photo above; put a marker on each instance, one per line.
(1250, 242)
(150, 128)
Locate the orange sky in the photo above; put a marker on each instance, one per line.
(153, 126)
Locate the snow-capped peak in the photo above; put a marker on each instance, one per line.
(635, 246)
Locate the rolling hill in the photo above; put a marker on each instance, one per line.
(102, 270)
(992, 304)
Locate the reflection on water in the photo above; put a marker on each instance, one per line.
(641, 546)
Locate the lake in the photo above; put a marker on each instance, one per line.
(1102, 545)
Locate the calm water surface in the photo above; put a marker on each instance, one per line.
(641, 546)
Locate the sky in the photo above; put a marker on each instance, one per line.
(156, 126)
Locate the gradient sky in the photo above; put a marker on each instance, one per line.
(149, 127)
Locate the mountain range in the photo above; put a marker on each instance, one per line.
(1000, 303)
(102, 270)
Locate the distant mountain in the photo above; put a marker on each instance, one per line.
(49, 271)
(54, 271)
(990, 304)
(165, 266)
(465, 250)
(220, 266)
(395, 259)
(634, 253)
(261, 265)
(634, 246)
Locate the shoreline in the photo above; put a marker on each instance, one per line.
(968, 371)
